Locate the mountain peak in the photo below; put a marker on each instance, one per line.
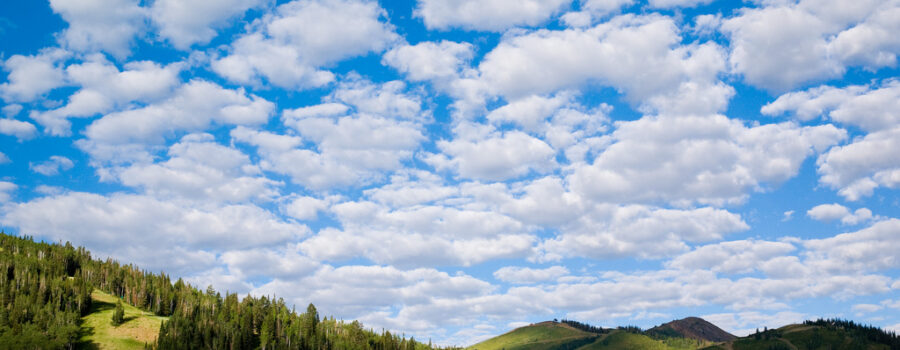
(695, 328)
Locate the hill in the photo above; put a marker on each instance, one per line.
(544, 335)
(571, 335)
(693, 328)
(817, 335)
(685, 335)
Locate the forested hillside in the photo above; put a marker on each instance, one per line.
(45, 289)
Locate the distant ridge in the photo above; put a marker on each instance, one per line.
(694, 328)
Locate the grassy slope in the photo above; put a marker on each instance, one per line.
(544, 335)
(97, 333)
(625, 340)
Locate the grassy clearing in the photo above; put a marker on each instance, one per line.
(140, 326)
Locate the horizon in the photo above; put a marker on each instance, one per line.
(452, 169)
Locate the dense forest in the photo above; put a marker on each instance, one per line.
(46, 288)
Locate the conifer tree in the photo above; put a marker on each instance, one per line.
(118, 316)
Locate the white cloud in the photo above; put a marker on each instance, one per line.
(855, 170)
(871, 44)
(667, 4)
(525, 275)
(179, 237)
(497, 158)
(305, 208)
(185, 23)
(732, 257)
(422, 235)
(529, 112)
(284, 263)
(52, 166)
(488, 15)
(192, 107)
(32, 76)
(411, 187)
(708, 159)
(6, 188)
(640, 56)
(95, 25)
(21, 130)
(430, 60)
(866, 308)
(199, 168)
(870, 109)
(813, 41)
(871, 249)
(11, 110)
(289, 45)
(830, 212)
(610, 231)
(344, 149)
(779, 59)
(104, 88)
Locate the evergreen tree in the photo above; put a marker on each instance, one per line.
(118, 316)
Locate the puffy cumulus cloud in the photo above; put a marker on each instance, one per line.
(409, 188)
(667, 4)
(872, 109)
(525, 275)
(424, 235)
(180, 237)
(834, 211)
(306, 208)
(871, 44)
(814, 41)
(105, 88)
(32, 76)
(641, 56)
(287, 47)
(871, 249)
(496, 157)
(611, 231)
(194, 106)
(732, 257)
(6, 188)
(592, 10)
(278, 263)
(95, 25)
(21, 130)
(343, 149)
(487, 15)
(184, 23)
(697, 159)
(52, 166)
(198, 168)
(429, 60)
(390, 99)
(857, 169)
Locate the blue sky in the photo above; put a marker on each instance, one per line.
(452, 169)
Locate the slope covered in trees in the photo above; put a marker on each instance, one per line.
(45, 289)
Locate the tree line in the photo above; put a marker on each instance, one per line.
(45, 289)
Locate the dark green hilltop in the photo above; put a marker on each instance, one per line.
(56, 296)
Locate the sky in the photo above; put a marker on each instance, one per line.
(450, 169)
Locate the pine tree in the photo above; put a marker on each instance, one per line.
(118, 316)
